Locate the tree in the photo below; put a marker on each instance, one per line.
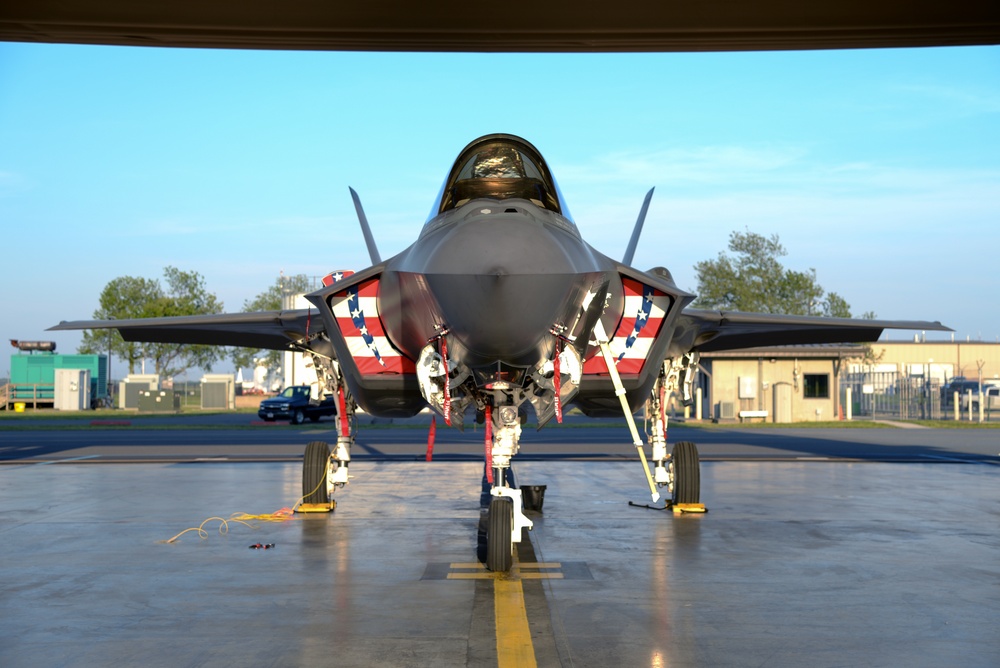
(270, 300)
(186, 295)
(132, 297)
(754, 280)
(123, 297)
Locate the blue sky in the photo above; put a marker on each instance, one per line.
(880, 169)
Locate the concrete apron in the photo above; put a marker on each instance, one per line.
(796, 563)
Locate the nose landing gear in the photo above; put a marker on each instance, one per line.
(506, 517)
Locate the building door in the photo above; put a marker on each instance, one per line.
(782, 402)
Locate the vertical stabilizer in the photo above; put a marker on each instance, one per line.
(634, 241)
(369, 239)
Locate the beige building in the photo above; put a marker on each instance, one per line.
(780, 384)
(802, 383)
(944, 359)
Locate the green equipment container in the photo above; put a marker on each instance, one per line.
(34, 375)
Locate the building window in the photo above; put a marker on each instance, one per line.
(816, 386)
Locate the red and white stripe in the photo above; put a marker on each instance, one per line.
(629, 347)
(357, 315)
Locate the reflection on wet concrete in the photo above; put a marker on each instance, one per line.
(808, 563)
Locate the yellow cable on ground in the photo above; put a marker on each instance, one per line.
(223, 528)
(282, 515)
(277, 516)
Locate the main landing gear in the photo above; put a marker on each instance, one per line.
(680, 471)
(323, 469)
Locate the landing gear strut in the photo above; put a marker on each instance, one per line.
(679, 471)
(506, 516)
(323, 470)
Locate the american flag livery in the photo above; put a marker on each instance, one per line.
(336, 277)
(356, 311)
(642, 317)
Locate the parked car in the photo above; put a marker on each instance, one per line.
(295, 404)
(991, 399)
(960, 385)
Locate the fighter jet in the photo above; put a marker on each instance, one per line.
(500, 308)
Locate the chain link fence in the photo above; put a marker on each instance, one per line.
(895, 396)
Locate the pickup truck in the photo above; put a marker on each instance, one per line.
(296, 405)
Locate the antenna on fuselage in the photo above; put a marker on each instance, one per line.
(367, 231)
(634, 241)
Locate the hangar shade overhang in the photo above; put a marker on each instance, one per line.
(557, 26)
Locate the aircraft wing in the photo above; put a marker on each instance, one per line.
(708, 331)
(274, 330)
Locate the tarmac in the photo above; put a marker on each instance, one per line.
(797, 563)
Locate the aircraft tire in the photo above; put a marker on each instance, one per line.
(687, 473)
(298, 417)
(499, 549)
(314, 467)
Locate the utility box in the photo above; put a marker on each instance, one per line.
(159, 401)
(130, 389)
(218, 391)
(72, 390)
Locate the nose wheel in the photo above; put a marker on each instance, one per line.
(499, 544)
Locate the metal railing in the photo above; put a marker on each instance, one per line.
(15, 393)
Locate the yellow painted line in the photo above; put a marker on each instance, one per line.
(514, 646)
(541, 576)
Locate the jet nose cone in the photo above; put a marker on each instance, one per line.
(503, 281)
(505, 243)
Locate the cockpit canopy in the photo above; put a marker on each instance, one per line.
(500, 167)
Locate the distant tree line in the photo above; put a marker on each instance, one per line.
(754, 280)
(133, 297)
(184, 293)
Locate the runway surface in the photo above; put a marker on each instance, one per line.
(885, 560)
(243, 438)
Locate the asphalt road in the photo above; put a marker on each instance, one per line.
(241, 437)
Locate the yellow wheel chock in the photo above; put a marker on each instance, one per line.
(316, 507)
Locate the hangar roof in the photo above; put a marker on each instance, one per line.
(515, 26)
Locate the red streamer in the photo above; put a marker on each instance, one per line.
(557, 382)
(447, 384)
(431, 433)
(489, 444)
(342, 411)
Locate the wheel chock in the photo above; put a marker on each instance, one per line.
(679, 508)
(316, 507)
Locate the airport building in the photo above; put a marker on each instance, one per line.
(905, 380)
